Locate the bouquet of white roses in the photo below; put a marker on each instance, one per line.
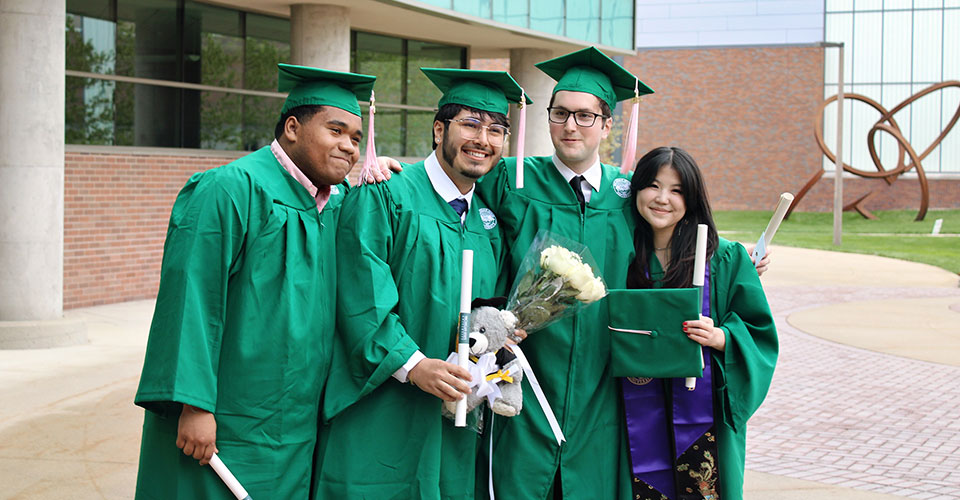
(556, 278)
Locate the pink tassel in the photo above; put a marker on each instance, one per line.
(630, 138)
(370, 156)
(521, 133)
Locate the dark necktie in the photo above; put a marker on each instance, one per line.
(459, 205)
(575, 184)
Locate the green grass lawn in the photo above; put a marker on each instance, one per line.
(895, 234)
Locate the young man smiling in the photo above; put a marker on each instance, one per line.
(239, 345)
(400, 246)
(573, 195)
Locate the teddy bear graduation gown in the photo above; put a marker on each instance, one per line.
(246, 293)
(400, 246)
(741, 377)
(569, 357)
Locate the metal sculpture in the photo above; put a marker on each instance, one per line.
(887, 124)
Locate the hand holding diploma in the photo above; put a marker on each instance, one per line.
(446, 381)
(704, 333)
(699, 273)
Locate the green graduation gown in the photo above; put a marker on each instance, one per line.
(242, 325)
(570, 357)
(400, 246)
(744, 369)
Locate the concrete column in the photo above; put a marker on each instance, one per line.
(32, 90)
(539, 87)
(320, 36)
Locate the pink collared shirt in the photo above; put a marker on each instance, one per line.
(321, 194)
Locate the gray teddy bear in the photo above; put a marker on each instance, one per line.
(489, 330)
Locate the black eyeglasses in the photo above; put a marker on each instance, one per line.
(582, 118)
(470, 129)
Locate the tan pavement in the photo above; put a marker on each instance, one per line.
(69, 429)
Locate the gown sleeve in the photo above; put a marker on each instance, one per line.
(751, 335)
(202, 248)
(371, 343)
(493, 187)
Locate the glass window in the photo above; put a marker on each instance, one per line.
(862, 5)
(839, 29)
(383, 56)
(927, 45)
(897, 46)
(889, 5)
(926, 126)
(511, 12)
(479, 8)
(951, 45)
(950, 147)
(867, 47)
(583, 19)
(862, 117)
(267, 43)
(616, 25)
(151, 39)
(839, 5)
(546, 16)
(220, 47)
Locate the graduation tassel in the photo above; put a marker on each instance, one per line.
(630, 139)
(370, 155)
(521, 133)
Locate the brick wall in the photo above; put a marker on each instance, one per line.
(116, 208)
(744, 114)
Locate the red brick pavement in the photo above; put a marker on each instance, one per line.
(853, 418)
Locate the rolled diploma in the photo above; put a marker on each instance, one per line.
(699, 268)
(228, 478)
(463, 333)
(785, 200)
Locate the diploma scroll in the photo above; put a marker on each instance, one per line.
(521, 132)
(228, 478)
(699, 270)
(463, 331)
(766, 238)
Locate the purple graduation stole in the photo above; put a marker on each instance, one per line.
(672, 444)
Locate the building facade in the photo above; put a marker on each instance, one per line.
(739, 84)
(108, 106)
(115, 103)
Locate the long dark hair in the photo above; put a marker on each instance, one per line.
(683, 243)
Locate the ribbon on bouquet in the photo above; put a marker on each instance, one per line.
(537, 391)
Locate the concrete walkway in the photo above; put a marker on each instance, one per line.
(873, 417)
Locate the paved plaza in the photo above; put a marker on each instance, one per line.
(865, 403)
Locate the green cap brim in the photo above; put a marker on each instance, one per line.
(490, 91)
(321, 87)
(591, 71)
(664, 351)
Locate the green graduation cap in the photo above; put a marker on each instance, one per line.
(490, 91)
(647, 333)
(321, 87)
(591, 71)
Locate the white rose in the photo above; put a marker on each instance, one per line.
(558, 260)
(580, 276)
(592, 292)
(546, 255)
